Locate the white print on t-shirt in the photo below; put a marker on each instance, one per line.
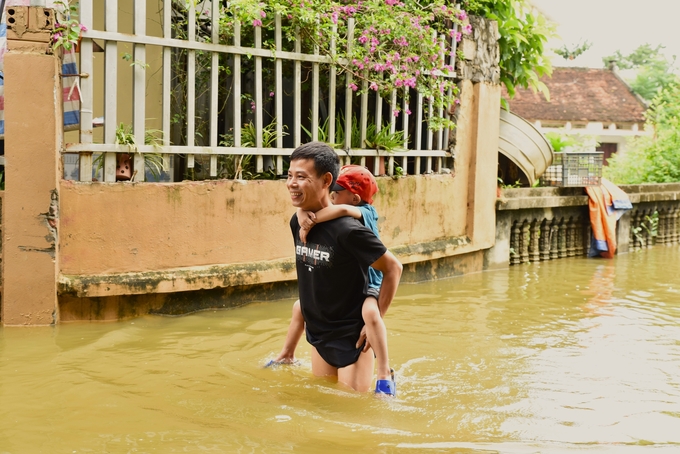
(304, 253)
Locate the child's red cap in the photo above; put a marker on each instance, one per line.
(357, 180)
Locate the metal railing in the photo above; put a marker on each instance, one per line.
(424, 148)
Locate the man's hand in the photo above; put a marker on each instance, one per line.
(362, 338)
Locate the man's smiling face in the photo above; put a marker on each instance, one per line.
(308, 190)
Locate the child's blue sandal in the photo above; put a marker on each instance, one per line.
(386, 386)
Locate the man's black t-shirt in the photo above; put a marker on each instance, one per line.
(332, 269)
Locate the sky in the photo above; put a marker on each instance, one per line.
(612, 25)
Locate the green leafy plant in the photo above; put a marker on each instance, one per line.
(561, 141)
(128, 57)
(652, 158)
(398, 173)
(651, 224)
(242, 167)
(653, 71)
(570, 53)
(67, 27)
(523, 35)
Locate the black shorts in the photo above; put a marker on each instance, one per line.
(340, 352)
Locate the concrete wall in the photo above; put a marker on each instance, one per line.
(100, 251)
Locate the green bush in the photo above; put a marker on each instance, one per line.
(654, 159)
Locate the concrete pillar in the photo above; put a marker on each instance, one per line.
(33, 139)
(478, 128)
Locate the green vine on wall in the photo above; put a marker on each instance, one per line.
(523, 35)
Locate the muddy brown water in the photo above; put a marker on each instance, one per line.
(570, 355)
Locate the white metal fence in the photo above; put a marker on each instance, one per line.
(297, 94)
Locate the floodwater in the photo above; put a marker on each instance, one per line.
(570, 355)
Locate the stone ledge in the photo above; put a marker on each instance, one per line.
(176, 280)
(527, 198)
(236, 275)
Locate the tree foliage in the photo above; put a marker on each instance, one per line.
(653, 70)
(523, 35)
(653, 159)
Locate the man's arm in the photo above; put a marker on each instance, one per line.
(391, 269)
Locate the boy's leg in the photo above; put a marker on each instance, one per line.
(320, 368)
(376, 334)
(295, 330)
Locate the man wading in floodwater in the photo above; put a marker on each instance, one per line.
(332, 269)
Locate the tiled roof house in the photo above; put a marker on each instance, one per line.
(589, 101)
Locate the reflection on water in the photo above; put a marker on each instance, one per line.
(552, 357)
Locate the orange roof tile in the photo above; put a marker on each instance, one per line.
(580, 94)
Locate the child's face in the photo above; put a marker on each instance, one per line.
(344, 198)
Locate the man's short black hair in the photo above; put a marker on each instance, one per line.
(324, 157)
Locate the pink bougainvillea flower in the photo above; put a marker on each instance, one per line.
(461, 15)
(257, 23)
(395, 112)
(83, 28)
(407, 111)
(391, 2)
(271, 94)
(467, 29)
(373, 86)
(353, 87)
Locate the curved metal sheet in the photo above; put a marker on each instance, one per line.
(524, 145)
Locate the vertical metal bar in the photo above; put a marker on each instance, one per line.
(348, 90)
(419, 122)
(110, 89)
(440, 113)
(191, 83)
(259, 125)
(278, 94)
(404, 119)
(237, 86)
(331, 90)
(364, 110)
(393, 104)
(214, 83)
(139, 87)
(297, 135)
(430, 112)
(315, 95)
(452, 63)
(390, 166)
(167, 77)
(86, 89)
(378, 111)
(404, 165)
